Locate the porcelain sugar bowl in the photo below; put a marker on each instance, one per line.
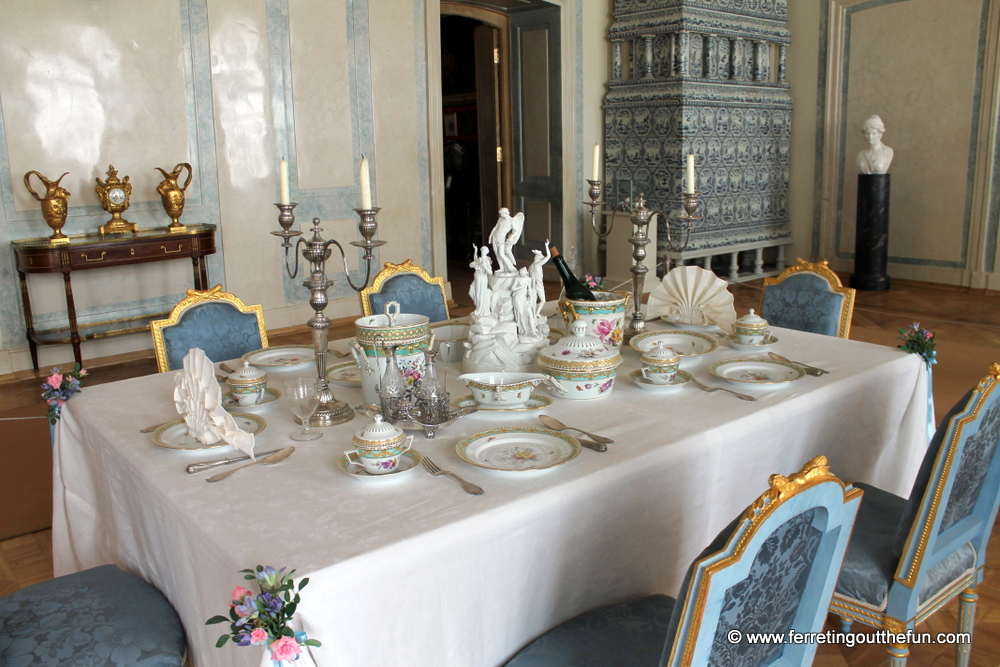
(584, 365)
(378, 446)
(751, 329)
(247, 384)
(660, 363)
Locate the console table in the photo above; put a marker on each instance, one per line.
(95, 251)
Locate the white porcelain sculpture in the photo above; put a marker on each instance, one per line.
(507, 328)
(198, 398)
(877, 157)
(693, 295)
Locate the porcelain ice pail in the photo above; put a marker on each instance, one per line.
(605, 318)
(408, 332)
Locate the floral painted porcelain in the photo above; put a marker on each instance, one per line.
(660, 364)
(247, 385)
(378, 447)
(584, 365)
(408, 332)
(503, 390)
(751, 329)
(605, 318)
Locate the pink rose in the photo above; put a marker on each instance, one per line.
(55, 380)
(83, 371)
(285, 648)
(258, 636)
(238, 594)
(61, 402)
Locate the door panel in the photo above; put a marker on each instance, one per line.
(537, 126)
(487, 40)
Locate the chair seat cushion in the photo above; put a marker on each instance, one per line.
(95, 618)
(628, 634)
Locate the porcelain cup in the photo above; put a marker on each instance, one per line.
(246, 396)
(379, 461)
(660, 373)
(751, 336)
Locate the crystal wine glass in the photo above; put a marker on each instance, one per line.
(302, 395)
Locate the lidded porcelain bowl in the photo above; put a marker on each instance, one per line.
(247, 384)
(660, 356)
(751, 329)
(584, 365)
(380, 438)
(503, 390)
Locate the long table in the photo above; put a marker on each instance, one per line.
(413, 571)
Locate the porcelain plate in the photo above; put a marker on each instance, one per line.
(281, 356)
(173, 434)
(684, 343)
(753, 372)
(518, 449)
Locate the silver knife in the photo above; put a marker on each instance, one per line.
(205, 465)
(810, 370)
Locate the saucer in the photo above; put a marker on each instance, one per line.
(408, 460)
(734, 341)
(535, 403)
(344, 374)
(230, 404)
(682, 377)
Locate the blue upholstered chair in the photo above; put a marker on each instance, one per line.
(808, 297)
(213, 320)
(102, 617)
(910, 556)
(771, 570)
(409, 285)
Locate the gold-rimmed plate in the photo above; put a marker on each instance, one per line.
(756, 372)
(174, 435)
(684, 343)
(230, 404)
(281, 356)
(344, 374)
(518, 449)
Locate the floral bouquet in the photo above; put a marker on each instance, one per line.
(593, 282)
(59, 387)
(263, 619)
(919, 341)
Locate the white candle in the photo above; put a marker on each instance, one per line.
(366, 184)
(283, 180)
(597, 163)
(690, 175)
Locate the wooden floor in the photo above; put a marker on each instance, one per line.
(966, 326)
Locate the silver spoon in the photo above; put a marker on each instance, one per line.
(557, 425)
(276, 457)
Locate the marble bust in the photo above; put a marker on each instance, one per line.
(877, 157)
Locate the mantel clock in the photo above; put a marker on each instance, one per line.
(114, 195)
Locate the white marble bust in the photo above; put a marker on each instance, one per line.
(877, 157)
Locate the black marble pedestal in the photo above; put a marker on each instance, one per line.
(871, 244)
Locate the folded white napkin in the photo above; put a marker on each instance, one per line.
(693, 295)
(198, 398)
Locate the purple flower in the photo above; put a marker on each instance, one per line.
(271, 603)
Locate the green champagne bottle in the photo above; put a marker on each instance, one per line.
(574, 288)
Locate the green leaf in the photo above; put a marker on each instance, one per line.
(313, 642)
(216, 619)
(222, 641)
(302, 584)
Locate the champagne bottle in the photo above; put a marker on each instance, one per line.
(574, 288)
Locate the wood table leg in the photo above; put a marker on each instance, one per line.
(29, 322)
(73, 329)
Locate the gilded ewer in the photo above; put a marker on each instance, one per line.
(55, 204)
(172, 194)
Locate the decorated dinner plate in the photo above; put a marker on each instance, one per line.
(281, 356)
(535, 403)
(174, 435)
(407, 461)
(518, 449)
(752, 372)
(229, 402)
(344, 374)
(708, 328)
(681, 378)
(684, 343)
(734, 341)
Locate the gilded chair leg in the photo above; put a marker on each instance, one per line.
(845, 625)
(898, 654)
(966, 621)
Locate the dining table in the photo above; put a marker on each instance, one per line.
(410, 570)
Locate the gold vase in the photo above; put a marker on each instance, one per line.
(172, 194)
(55, 204)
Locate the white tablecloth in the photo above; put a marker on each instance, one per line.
(413, 571)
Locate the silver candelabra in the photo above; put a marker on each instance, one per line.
(316, 251)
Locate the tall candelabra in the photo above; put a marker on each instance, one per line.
(316, 251)
(677, 241)
(641, 217)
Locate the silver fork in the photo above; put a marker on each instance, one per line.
(434, 470)
(704, 387)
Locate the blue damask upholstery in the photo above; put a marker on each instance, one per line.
(803, 302)
(910, 556)
(102, 617)
(410, 286)
(771, 573)
(218, 328)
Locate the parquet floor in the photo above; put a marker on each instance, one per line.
(966, 326)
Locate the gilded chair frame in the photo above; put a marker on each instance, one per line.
(194, 298)
(822, 269)
(786, 498)
(389, 270)
(902, 610)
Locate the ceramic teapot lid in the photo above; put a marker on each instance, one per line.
(752, 320)
(378, 432)
(248, 373)
(661, 353)
(570, 351)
